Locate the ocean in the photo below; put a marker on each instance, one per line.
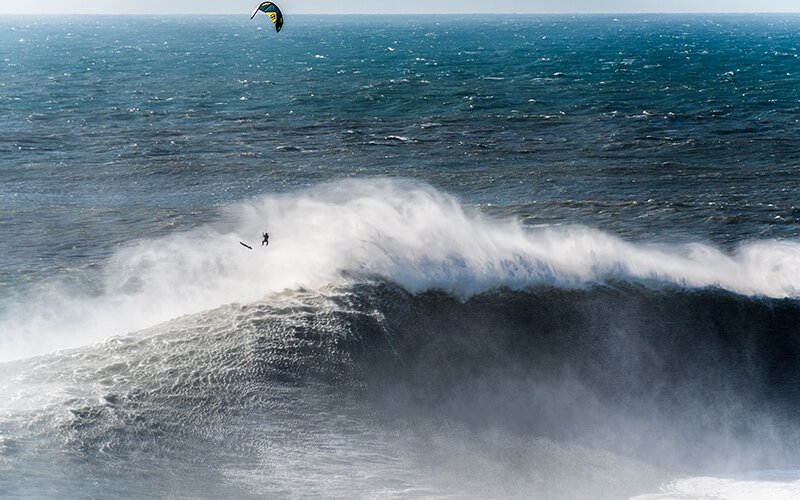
(542, 257)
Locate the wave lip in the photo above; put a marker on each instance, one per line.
(422, 239)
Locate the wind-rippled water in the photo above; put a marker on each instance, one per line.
(510, 256)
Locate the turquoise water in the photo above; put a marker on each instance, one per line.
(625, 184)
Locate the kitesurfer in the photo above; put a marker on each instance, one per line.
(265, 241)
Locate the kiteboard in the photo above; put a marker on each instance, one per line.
(245, 245)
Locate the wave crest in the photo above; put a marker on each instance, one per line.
(398, 230)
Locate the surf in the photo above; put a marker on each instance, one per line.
(402, 231)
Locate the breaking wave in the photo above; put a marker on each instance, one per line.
(400, 231)
(391, 334)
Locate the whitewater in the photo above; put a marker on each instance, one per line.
(401, 232)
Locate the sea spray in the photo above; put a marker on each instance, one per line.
(398, 230)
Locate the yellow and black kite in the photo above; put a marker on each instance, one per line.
(272, 11)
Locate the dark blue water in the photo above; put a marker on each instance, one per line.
(556, 254)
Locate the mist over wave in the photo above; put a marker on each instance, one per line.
(402, 231)
(367, 389)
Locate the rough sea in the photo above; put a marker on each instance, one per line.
(541, 257)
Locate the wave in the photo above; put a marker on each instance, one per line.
(401, 231)
(609, 385)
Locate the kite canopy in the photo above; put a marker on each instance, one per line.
(271, 10)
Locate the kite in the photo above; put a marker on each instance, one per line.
(271, 10)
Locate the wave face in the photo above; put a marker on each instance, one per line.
(392, 341)
(369, 389)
